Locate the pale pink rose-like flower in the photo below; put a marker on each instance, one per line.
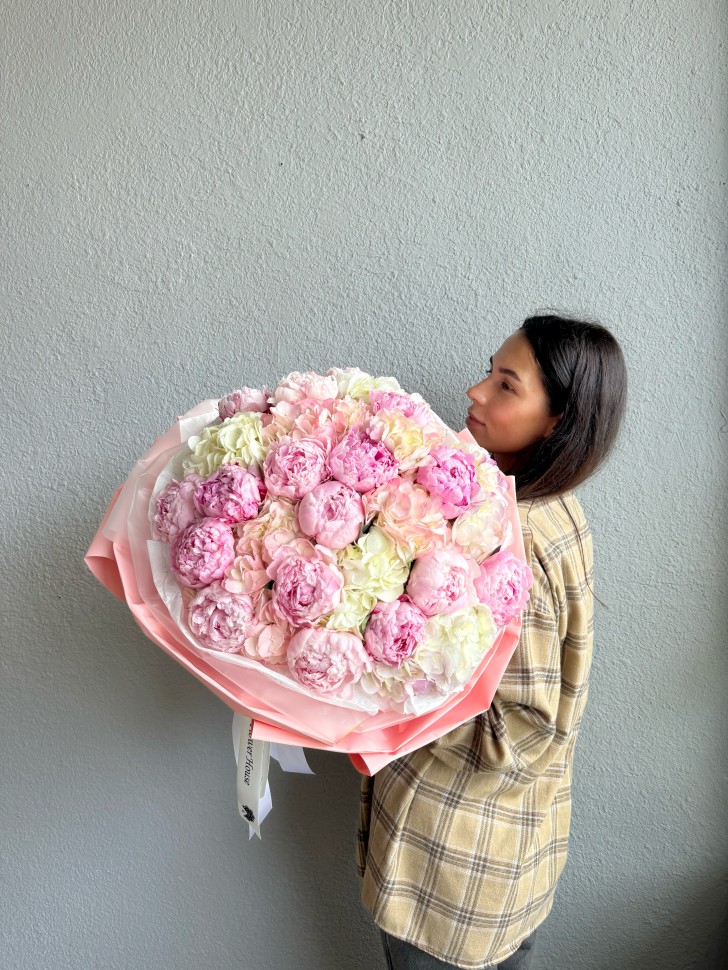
(247, 573)
(408, 441)
(274, 539)
(348, 413)
(503, 585)
(409, 515)
(450, 474)
(293, 467)
(269, 643)
(175, 508)
(332, 514)
(443, 582)
(282, 418)
(221, 620)
(246, 399)
(326, 661)
(307, 582)
(315, 422)
(276, 525)
(232, 493)
(361, 462)
(411, 406)
(202, 552)
(297, 386)
(331, 417)
(268, 640)
(307, 417)
(394, 631)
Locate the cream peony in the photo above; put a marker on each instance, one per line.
(237, 440)
(357, 383)
(352, 612)
(390, 686)
(374, 564)
(483, 528)
(453, 646)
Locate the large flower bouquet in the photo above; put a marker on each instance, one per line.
(330, 558)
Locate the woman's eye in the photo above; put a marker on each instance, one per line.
(504, 384)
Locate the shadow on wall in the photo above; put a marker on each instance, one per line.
(672, 925)
(686, 936)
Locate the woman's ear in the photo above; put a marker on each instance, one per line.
(552, 424)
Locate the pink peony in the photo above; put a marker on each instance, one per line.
(394, 631)
(503, 585)
(450, 474)
(332, 514)
(202, 552)
(232, 493)
(307, 582)
(326, 660)
(294, 467)
(297, 386)
(246, 399)
(175, 508)
(410, 406)
(443, 582)
(221, 620)
(361, 462)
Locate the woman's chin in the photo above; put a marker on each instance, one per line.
(478, 431)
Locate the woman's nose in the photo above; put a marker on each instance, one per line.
(478, 393)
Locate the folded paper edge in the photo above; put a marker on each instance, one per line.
(100, 557)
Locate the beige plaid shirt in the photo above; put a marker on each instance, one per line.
(462, 841)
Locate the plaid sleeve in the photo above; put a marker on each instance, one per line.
(538, 703)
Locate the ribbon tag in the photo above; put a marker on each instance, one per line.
(290, 758)
(252, 783)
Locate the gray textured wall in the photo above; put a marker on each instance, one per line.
(199, 195)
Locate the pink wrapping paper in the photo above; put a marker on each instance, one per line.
(119, 559)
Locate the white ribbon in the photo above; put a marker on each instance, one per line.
(253, 760)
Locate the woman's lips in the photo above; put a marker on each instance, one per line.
(473, 420)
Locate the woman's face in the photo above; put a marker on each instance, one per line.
(510, 413)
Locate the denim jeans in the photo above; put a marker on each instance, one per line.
(404, 956)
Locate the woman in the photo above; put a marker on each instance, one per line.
(462, 841)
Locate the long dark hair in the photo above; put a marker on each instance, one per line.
(585, 378)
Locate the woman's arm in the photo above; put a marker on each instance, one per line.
(539, 702)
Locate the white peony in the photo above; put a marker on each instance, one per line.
(236, 441)
(453, 646)
(357, 383)
(483, 528)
